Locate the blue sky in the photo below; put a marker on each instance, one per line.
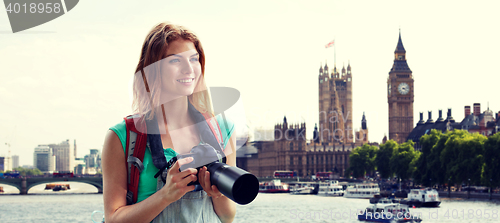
(70, 78)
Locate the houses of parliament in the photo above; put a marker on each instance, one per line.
(333, 139)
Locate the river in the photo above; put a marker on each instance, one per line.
(78, 204)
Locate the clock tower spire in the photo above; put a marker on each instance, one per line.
(400, 96)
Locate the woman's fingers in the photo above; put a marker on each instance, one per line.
(185, 181)
(204, 178)
(184, 161)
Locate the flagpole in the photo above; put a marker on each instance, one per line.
(334, 54)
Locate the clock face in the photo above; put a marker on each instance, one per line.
(403, 88)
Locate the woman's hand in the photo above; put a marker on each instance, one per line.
(204, 179)
(176, 184)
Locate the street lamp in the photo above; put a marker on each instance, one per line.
(468, 190)
(491, 187)
(449, 187)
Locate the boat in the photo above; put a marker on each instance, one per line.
(422, 198)
(384, 210)
(60, 187)
(275, 186)
(330, 188)
(302, 188)
(52, 186)
(362, 190)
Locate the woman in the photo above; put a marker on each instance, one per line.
(169, 77)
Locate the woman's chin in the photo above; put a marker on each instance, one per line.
(173, 97)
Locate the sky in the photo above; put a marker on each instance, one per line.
(70, 78)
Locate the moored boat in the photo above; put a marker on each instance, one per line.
(302, 188)
(362, 190)
(422, 198)
(330, 188)
(275, 186)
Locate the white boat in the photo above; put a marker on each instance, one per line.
(275, 186)
(422, 198)
(330, 188)
(386, 211)
(302, 188)
(362, 190)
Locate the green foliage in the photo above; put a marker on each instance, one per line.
(490, 175)
(383, 158)
(427, 162)
(28, 172)
(362, 160)
(453, 157)
(401, 159)
(462, 156)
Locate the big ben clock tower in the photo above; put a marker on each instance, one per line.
(400, 96)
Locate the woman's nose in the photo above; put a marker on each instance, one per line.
(187, 67)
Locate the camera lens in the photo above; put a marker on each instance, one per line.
(235, 183)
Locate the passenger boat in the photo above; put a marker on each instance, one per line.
(330, 188)
(362, 190)
(57, 187)
(384, 210)
(302, 188)
(422, 198)
(275, 186)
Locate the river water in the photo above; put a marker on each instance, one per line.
(78, 204)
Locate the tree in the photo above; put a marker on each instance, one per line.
(462, 156)
(401, 159)
(423, 166)
(28, 172)
(383, 158)
(362, 160)
(471, 157)
(491, 168)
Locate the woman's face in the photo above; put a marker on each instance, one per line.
(180, 70)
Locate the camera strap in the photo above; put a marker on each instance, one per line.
(208, 129)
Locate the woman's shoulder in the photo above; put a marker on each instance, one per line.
(120, 129)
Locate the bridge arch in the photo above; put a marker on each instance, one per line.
(30, 185)
(18, 186)
(24, 184)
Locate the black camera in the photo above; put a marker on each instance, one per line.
(238, 185)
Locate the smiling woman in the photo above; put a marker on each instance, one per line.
(170, 96)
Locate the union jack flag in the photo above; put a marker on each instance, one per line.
(330, 44)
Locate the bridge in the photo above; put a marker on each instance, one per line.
(24, 184)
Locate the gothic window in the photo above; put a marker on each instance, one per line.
(300, 146)
(291, 146)
(291, 160)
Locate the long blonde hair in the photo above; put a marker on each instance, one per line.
(147, 85)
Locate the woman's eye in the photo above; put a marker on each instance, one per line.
(194, 59)
(174, 61)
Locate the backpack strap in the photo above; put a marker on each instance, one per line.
(214, 126)
(135, 150)
(137, 142)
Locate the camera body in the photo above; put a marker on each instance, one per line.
(236, 184)
(203, 155)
